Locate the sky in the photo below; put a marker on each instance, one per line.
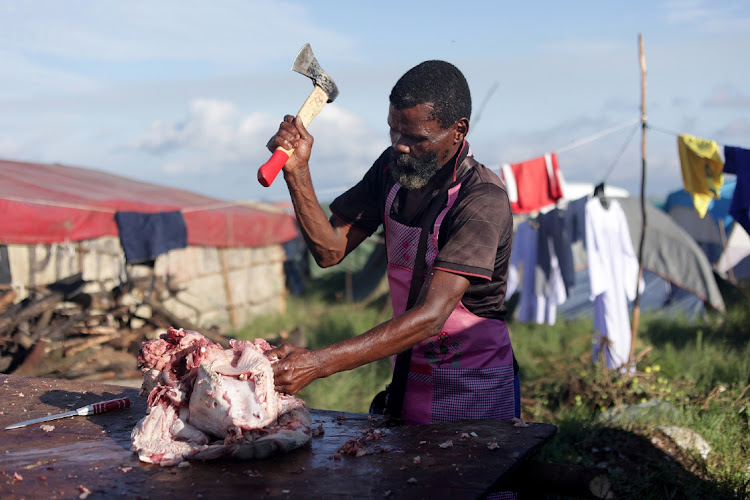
(187, 93)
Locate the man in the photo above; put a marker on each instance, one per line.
(461, 363)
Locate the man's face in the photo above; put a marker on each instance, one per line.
(420, 146)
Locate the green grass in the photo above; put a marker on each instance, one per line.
(699, 372)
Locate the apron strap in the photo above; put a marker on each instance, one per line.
(397, 388)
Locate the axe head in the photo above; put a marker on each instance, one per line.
(306, 64)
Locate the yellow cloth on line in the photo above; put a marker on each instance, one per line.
(702, 170)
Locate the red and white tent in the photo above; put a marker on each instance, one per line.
(52, 203)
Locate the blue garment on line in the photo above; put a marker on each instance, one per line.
(737, 161)
(552, 229)
(145, 236)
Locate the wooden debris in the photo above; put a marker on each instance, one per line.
(15, 315)
(34, 358)
(6, 299)
(57, 329)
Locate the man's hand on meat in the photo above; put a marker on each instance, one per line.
(294, 368)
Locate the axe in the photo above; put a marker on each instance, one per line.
(324, 90)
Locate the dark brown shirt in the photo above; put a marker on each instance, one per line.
(475, 236)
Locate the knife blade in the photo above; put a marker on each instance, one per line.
(92, 409)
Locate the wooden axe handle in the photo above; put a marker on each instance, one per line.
(309, 110)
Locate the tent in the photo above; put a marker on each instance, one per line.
(57, 220)
(726, 244)
(679, 278)
(735, 259)
(670, 253)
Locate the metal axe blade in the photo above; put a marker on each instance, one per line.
(306, 64)
(324, 90)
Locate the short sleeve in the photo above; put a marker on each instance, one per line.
(479, 223)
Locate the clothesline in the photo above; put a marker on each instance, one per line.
(622, 151)
(603, 133)
(92, 208)
(573, 145)
(676, 134)
(59, 204)
(635, 123)
(581, 142)
(229, 204)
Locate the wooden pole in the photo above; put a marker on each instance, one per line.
(636, 304)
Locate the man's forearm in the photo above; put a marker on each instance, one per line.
(384, 340)
(438, 299)
(323, 241)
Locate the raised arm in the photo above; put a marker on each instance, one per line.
(329, 241)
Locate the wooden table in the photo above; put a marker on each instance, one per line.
(93, 454)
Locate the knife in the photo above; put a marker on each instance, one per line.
(92, 409)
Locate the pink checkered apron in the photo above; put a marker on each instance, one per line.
(466, 371)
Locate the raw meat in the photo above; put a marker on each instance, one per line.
(206, 402)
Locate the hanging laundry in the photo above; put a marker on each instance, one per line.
(532, 184)
(613, 275)
(702, 170)
(533, 306)
(738, 163)
(145, 236)
(574, 221)
(554, 256)
(522, 257)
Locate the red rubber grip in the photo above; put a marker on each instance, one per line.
(269, 170)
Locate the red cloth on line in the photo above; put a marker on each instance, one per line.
(532, 184)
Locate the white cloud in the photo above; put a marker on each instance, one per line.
(81, 47)
(346, 142)
(216, 135)
(737, 130)
(213, 127)
(9, 148)
(234, 32)
(195, 89)
(189, 165)
(688, 12)
(727, 96)
(22, 77)
(710, 17)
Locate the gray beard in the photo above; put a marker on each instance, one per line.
(413, 173)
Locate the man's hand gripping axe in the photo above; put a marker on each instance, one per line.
(324, 90)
